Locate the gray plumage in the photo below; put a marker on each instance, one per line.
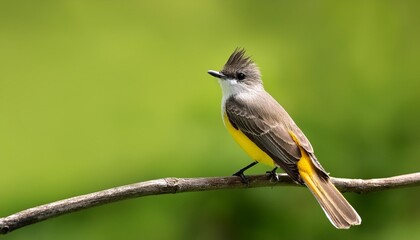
(254, 112)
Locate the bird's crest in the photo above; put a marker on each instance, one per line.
(238, 59)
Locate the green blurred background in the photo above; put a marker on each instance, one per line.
(96, 94)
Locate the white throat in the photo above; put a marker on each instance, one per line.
(232, 87)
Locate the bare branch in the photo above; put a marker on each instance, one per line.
(178, 185)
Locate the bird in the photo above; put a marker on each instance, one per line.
(267, 133)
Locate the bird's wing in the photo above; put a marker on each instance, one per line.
(270, 128)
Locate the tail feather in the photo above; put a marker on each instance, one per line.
(340, 213)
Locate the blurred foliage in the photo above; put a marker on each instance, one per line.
(96, 94)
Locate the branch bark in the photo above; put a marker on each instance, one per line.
(178, 185)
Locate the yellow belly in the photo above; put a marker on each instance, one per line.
(247, 145)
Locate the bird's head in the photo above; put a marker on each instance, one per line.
(239, 74)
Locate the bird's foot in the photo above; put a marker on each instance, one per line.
(273, 174)
(241, 174)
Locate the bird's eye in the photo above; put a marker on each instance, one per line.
(240, 76)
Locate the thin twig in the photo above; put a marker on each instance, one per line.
(178, 185)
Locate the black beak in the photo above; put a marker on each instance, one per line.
(216, 74)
